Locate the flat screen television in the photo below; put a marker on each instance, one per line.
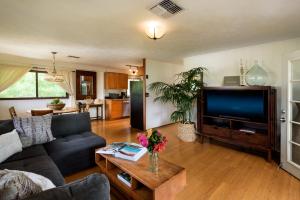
(245, 105)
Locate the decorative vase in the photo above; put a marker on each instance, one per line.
(153, 162)
(256, 75)
(186, 132)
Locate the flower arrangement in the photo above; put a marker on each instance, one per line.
(155, 143)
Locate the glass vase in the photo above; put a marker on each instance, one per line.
(256, 76)
(153, 162)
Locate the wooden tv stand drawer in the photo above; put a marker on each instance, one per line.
(258, 139)
(217, 131)
(235, 135)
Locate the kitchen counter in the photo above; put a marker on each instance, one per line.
(126, 99)
(117, 108)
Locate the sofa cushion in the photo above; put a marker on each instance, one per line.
(42, 165)
(34, 130)
(16, 185)
(74, 152)
(29, 152)
(64, 125)
(10, 144)
(6, 126)
(92, 187)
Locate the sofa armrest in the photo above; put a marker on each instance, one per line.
(92, 187)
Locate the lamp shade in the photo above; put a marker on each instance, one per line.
(155, 31)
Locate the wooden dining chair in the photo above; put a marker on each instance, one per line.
(87, 108)
(80, 107)
(83, 107)
(12, 112)
(40, 112)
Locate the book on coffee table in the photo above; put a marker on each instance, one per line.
(125, 178)
(112, 148)
(131, 151)
(128, 151)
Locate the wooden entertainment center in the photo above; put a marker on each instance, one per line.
(245, 132)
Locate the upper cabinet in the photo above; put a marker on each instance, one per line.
(114, 80)
(85, 85)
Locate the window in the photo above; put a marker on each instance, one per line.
(33, 86)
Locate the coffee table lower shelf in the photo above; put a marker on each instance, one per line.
(144, 184)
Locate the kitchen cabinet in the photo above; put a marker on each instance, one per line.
(114, 80)
(116, 108)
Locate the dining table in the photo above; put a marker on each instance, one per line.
(82, 106)
(59, 112)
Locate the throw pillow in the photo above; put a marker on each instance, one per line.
(34, 130)
(9, 145)
(40, 180)
(16, 185)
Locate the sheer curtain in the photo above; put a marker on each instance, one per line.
(69, 83)
(9, 74)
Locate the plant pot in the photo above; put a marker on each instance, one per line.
(56, 106)
(186, 132)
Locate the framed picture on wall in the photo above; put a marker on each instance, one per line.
(85, 85)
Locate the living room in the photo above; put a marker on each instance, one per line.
(213, 86)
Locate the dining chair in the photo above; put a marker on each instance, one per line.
(80, 107)
(12, 112)
(83, 107)
(40, 112)
(87, 108)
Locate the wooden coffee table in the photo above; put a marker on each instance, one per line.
(163, 185)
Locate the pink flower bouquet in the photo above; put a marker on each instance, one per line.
(155, 143)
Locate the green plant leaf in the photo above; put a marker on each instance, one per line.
(182, 93)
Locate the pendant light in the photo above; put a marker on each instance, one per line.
(54, 76)
(133, 69)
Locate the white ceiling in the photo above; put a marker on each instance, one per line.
(111, 32)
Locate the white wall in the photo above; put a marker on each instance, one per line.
(158, 114)
(227, 63)
(22, 106)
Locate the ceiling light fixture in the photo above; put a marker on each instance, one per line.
(70, 56)
(133, 69)
(54, 76)
(155, 30)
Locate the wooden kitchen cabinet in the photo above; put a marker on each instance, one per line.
(114, 80)
(116, 108)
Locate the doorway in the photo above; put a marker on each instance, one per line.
(290, 129)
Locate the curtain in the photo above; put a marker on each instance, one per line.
(68, 84)
(9, 74)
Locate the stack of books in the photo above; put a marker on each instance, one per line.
(125, 178)
(124, 150)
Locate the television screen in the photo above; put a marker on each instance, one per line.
(248, 105)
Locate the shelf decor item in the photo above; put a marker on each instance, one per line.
(256, 76)
(243, 70)
(182, 95)
(155, 142)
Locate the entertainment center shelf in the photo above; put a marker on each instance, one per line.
(235, 124)
(242, 116)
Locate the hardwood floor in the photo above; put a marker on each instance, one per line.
(213, 171)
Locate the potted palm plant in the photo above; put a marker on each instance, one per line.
(182, 94)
